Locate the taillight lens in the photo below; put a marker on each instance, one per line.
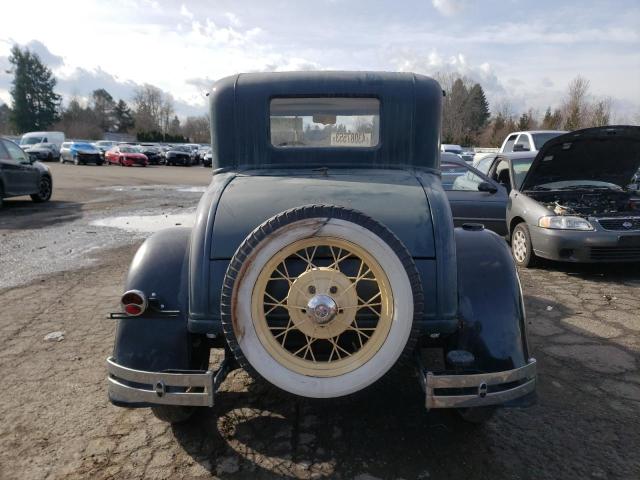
(134, 302)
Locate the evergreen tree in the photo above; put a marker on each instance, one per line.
(35, 104)
(103, 108)
(478, 108)
(524, 123)
(123, 117)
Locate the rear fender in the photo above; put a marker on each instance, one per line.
(491, 310)
(156, 341)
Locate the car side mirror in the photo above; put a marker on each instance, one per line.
(487, 187)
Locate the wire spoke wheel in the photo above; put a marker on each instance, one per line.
(322, 306)
(321, 301)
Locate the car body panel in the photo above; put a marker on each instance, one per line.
(19, 175)
(375, 193)
(469, 205)
(582, 155)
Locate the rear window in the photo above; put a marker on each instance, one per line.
(335, 122)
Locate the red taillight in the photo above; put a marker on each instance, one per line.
(134, 302)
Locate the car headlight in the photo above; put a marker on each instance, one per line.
(564, 222)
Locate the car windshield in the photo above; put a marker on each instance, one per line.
(540, 139)
(31, 140)
(520, 168)
(578, 185)
(182, 148)
(325, 122)
(85, 146)
(129, 149)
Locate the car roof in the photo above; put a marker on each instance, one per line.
(410, 117)
(537, 131)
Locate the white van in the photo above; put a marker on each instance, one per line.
(30, 139)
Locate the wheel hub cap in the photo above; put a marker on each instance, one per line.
(322, 309)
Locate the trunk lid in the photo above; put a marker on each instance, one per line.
(393, 197)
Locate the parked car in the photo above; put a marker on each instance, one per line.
(573, 201)
(21, 175)
(474, 197)
(126, 156)
(529, 141)
(180, 155)
(324, 264)
(207, 160)
(104, 145)
(31, 139)
(80, 153)
(44, 152)
(153, 153)
(465, 154)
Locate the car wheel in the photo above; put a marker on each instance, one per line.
(321, 301)
(521, 247)
(49, 158)
(1, 197)
(44, 192)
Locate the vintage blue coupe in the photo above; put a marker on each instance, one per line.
(323, 258)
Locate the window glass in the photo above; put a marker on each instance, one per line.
(520, 168)
(459, 178)
(325, 122)
(524, 141)
(15, 152)
(508, 147)
(540, 139)
(484, 164)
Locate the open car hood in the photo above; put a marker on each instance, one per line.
(606, 154)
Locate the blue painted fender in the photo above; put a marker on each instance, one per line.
(491, 310)
(153, 341)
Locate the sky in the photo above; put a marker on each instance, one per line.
(523, 52)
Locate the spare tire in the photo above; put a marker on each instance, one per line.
(321, 301)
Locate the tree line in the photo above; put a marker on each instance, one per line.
(467, 118)
(36, 106)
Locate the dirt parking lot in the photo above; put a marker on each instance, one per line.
(56, 422)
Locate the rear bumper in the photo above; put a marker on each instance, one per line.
(138, 388)
(592, 246)
(479, 390)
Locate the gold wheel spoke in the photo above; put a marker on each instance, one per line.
(338, 348)
(304, 340)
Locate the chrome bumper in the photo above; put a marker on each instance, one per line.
(487, 387)
(158, 385)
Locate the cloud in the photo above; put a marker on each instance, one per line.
(185, 12)
(435, 63)
(450, 7)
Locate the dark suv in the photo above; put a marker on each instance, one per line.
(20, 175)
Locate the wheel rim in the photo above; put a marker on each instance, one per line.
(519, 246)
(45, 188)
(322, 306)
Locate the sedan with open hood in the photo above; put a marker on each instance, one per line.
(574, 201)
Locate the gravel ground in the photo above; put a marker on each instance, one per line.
(57, 423)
